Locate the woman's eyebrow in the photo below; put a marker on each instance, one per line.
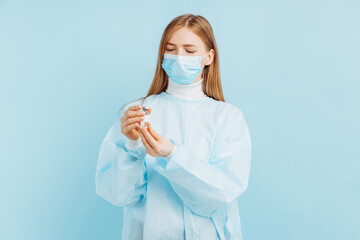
(184, 45)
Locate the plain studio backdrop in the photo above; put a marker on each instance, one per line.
(292, 67)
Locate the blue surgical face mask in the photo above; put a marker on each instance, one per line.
(182, 69)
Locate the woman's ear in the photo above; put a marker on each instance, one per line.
(210, 60)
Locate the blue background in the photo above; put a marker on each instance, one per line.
(292, 67)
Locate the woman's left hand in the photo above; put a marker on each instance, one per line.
(155, 143)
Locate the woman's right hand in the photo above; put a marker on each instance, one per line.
(131, 120)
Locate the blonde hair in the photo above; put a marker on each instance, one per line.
(211, 84)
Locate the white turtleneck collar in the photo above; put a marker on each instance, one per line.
(191, 91)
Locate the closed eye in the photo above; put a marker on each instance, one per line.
(170, 50)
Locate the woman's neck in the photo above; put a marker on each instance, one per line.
(191, 91)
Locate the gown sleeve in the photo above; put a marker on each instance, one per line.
(206, 185)
(120, 176)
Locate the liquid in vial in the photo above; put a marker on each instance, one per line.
(146, 120)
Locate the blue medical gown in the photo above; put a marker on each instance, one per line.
(191, 194)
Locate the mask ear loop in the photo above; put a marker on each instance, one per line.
(201, 59)
(202, 69)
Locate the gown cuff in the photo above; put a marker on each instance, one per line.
(135, 148)
(133, 144)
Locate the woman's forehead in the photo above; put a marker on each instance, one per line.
(185, 37)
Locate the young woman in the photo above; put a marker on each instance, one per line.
(179, 177)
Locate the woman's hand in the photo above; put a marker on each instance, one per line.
(131, 120)
(155, 144)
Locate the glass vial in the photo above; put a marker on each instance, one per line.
(146, 120)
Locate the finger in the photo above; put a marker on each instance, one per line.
(146, 144)
(133, 111)
(135, 107)
(151, 140)
(130, 127)
(132, 120)
(134, 114)
(152, 131)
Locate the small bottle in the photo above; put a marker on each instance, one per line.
(146, 120)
